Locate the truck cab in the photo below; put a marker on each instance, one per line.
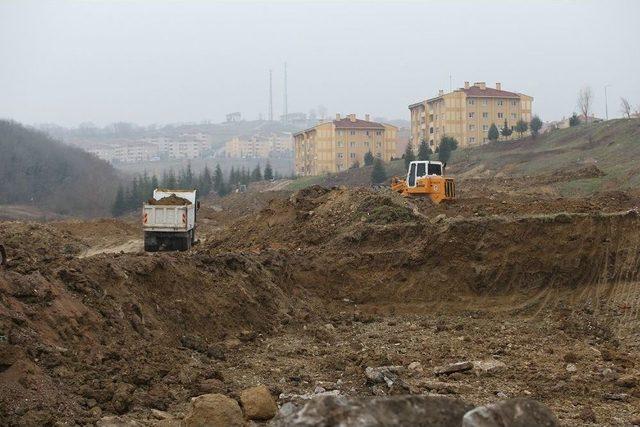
(422, 168)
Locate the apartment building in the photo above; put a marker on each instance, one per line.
(467, 113)
(336, 145)
(259, 146)
(125, 151)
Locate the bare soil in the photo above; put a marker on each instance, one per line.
(305, 290)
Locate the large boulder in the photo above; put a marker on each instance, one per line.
(512, 413)
(214, 410)
(407, 410)
(258, 404)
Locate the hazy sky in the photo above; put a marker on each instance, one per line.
(67, 62)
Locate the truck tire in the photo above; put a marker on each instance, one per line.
(151, 243)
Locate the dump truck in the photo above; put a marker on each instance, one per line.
(169, 220)
(426, 178)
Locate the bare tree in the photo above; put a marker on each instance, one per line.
(585, 100)
(625, 107)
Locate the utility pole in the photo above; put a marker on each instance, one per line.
(286, 107)
(606, 104)
(270, 95)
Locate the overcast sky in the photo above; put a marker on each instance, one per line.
(68, 62)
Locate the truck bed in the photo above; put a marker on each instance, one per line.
(168, 218)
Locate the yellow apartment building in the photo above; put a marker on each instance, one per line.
(336, 145)
(467, 113)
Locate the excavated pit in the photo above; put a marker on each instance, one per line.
(125, 333)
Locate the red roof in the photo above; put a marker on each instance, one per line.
(475, 91)
(357, 124)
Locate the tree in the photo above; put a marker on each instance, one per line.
(585, 101)
(493, 134)
(205, 181)
(625, 107)
(368, 158)
(535, 125)
(268, 172)
(171, 182)
(256, 175)
(119, 205)
(408, 155)
(218, 179)
(521, 127)
(447, 145)
(378, 173)
(506, 130)
(574, 120)
(424, 152)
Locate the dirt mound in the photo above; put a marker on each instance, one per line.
(110, 333)
(171, 200)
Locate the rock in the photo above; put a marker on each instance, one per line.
(415, 366)
(487, 367)
(319, 390)
(406, 410)
(232, 343)
(620, 397)
(113, 421)
(571, 367)
(384, 374)
(627, 381)
(258, 404)
(453, 367)
(214, 410)
(513, 413)
(211, 385)
(160, 415)
(216, 352)
(438, 218)
(122, 396)
(587, 415)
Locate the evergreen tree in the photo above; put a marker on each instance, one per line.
(119, 205)
(154, 184)
(268, 172)
(424, 152)
(368, 158)
(256, 175)
(133, 195)
(447, 145)
(535, 126)
(493, 134)
(378, 173)
(574, 120)
(172, 183)
(521, 127)
(408, 155)
(506, 130)
(205, 181)
(218, 179)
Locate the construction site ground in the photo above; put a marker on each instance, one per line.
(302, 291)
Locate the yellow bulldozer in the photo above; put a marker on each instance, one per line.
(426, 178)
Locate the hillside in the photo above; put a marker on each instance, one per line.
(39, 172)
(612, 146)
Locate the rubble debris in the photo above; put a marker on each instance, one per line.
(520, 412)
(488, 367)
(453, 367)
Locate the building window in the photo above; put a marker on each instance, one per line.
(352, 155)
(378, 132)
(367, 132)
(472, 127)
(472, 140)
(513, 115)
(485, 115)
(431, 129)
(485, 102)
(340, 155)
(340, 144)
(366, 143)
(485, 128)
(471, 114)
(379, 155)
(378, 144)
(500, 102)
(471, 102)
(353, 132)
(500, 115)
(514, 103)
(352, 144)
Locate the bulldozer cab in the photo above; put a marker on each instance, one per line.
(422, 168)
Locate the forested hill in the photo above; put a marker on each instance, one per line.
(39, 171)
